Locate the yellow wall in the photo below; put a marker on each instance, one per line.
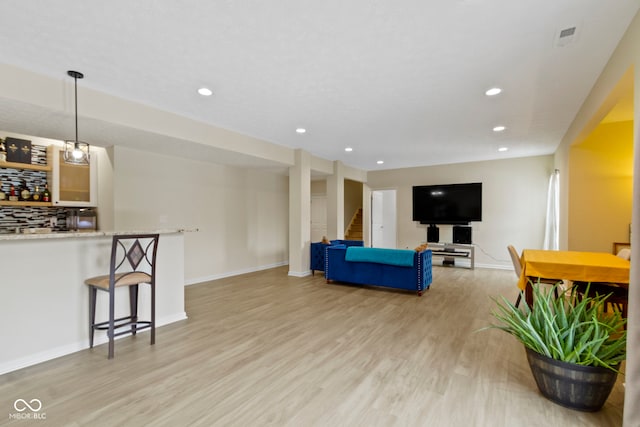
(600, 200)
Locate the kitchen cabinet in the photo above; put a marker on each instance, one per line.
(72, 185)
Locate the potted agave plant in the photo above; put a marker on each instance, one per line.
(574, 347)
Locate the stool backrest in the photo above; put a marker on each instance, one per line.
(131, 254)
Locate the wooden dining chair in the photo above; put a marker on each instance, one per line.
(618, 295)
(517, 267)
(133, 262)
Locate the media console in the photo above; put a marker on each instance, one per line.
(450, 251)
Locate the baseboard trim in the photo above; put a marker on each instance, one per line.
(198, 280)
(495, 266)
(299, 273)
(54, 353)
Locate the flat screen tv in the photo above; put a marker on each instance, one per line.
(447, 204)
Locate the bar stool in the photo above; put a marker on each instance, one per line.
(133, 262)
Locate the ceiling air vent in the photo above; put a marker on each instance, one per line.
(566, 36)
(567, 32)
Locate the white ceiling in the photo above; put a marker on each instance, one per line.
(398, 80)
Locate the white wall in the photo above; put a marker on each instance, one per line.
(319, 187)
(514, 196)
(241, 214)
(105, 188)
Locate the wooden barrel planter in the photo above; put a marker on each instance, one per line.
(585, 388)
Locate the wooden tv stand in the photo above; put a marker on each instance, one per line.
(450, 251)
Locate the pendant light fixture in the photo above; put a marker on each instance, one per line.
(76, 152)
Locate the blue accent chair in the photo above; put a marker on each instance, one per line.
(318, 250)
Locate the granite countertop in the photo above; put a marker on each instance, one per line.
(70, 234)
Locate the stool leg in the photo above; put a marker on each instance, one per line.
(133, 306)
(92, 313)
(111, 328)
(153, 313)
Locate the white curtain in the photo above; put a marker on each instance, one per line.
(552, 226)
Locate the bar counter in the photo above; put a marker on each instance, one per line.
(45, 305)
(69, 234)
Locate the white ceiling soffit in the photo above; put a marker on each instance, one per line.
(33, 120)
(399, 81)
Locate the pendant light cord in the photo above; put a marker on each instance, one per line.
(76, 75)
(75, 83)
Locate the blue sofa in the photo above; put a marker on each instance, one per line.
(392, 268)
(318, 252)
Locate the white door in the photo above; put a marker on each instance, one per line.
(383, 218)
(318, 217)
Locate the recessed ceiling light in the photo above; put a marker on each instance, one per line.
(493, 91)
(301, 130)
(348, 149)
(380, 162)
(503, 149)
(205, 91)
(499, 128)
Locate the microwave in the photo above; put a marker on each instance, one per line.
(82, 220)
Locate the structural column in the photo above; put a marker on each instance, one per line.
(366, 214)
(335, 202)
(300, 214)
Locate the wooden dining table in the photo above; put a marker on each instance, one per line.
(571, 265)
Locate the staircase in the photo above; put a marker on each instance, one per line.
(354, 230)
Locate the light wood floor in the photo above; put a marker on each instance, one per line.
(268, 349)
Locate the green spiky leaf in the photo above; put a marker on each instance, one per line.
(572, 328)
